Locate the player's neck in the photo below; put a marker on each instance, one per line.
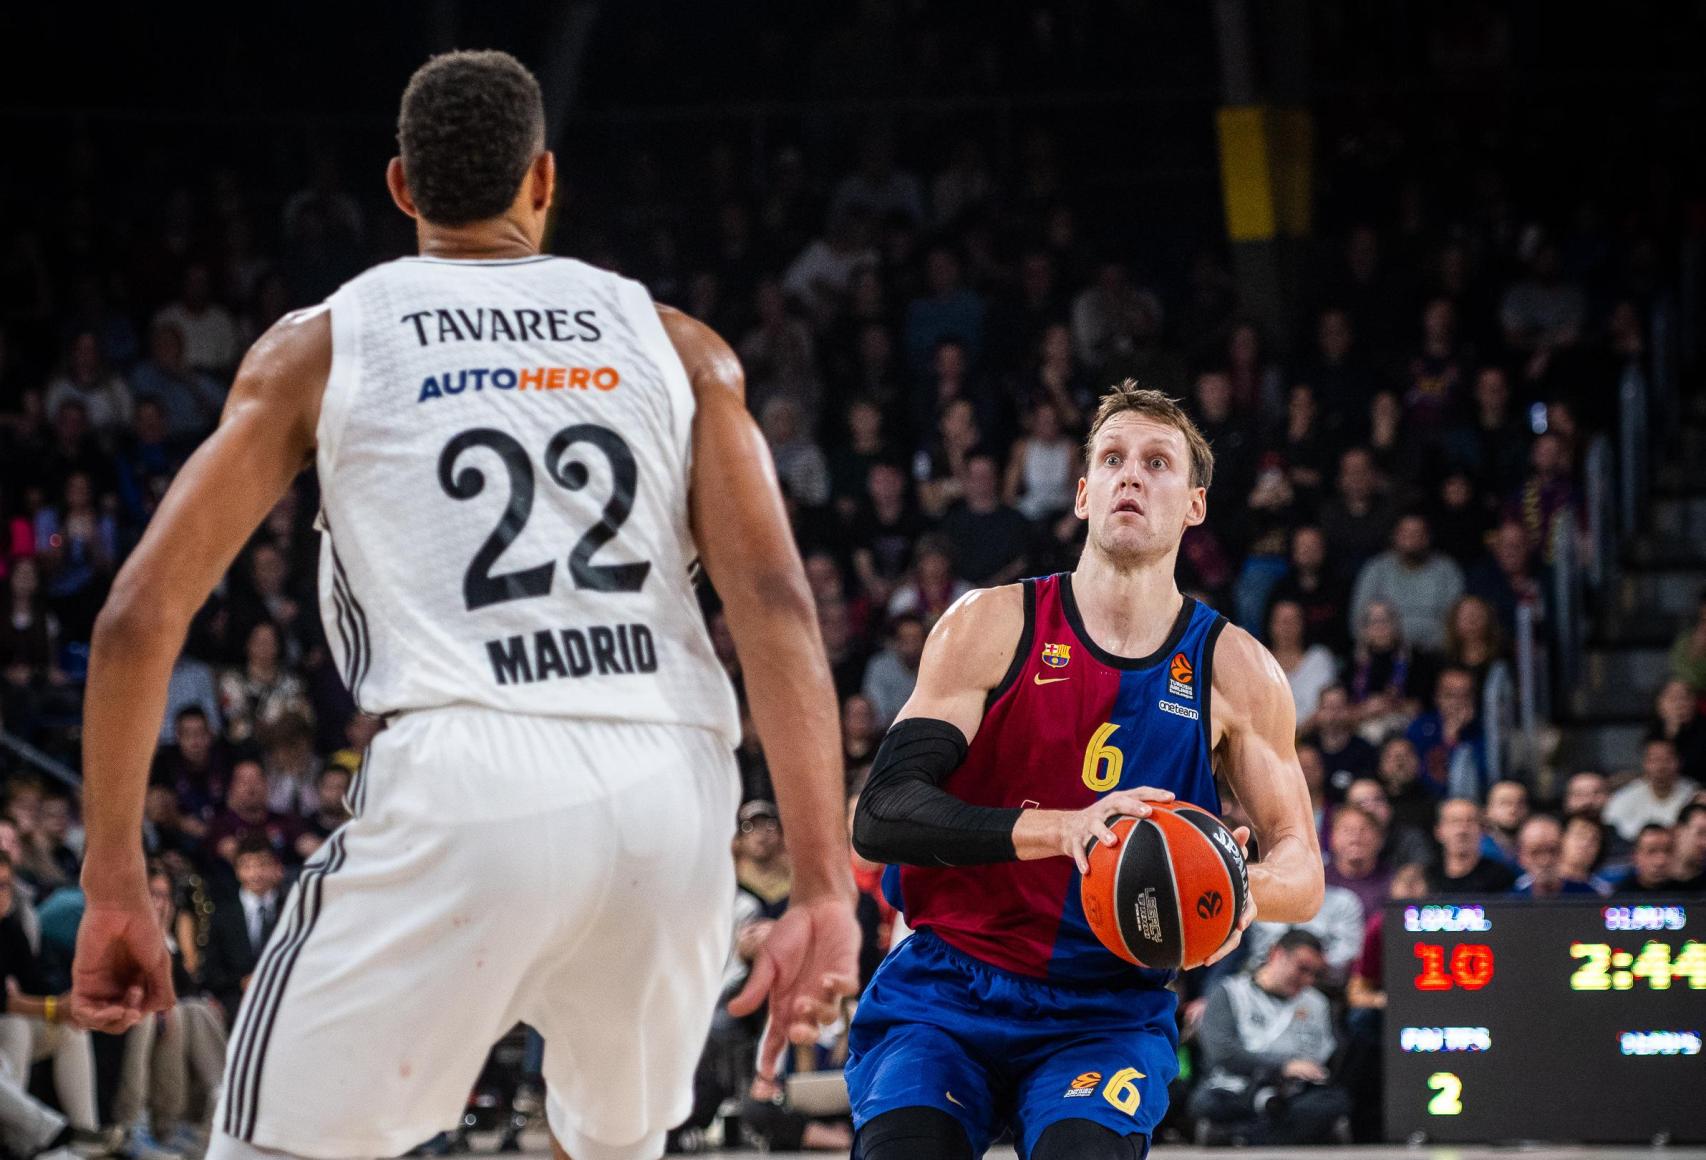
(1129, 611)
(478, 241)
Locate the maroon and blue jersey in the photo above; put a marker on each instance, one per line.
(1069, 723)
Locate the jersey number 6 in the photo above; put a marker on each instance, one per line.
(1102, 761)
(480, 586)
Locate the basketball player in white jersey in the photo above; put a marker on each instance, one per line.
(520, 457)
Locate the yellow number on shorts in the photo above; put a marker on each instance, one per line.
(1121, 1091)
(1448, 1090)
(1102, 761)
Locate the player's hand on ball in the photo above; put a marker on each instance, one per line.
(1080, 828)
(122, 971)
(806, 967)
(1242, 836)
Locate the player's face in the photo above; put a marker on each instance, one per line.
(1136, 492)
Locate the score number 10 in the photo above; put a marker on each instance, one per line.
(1607, 968)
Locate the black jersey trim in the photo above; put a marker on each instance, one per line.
(1181, 622)
(1205, 681)
(1023, 650)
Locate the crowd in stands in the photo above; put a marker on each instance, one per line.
(924, 332)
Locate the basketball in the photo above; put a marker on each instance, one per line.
(1168, 894)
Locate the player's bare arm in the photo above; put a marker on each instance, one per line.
(265, 438)
(1255, 723)
(906, 817)
(810, 960)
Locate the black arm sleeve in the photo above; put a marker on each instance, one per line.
(906, 817)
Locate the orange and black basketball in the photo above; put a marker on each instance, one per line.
(1168, 894)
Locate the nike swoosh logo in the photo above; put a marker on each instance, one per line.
(1039, 679)
(952, 1100)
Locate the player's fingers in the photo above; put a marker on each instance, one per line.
(758, 983)
(1080, 854)
(770, 1048)
(839, 987)
(1242, 836)
(1227, 947)
(1149, 793)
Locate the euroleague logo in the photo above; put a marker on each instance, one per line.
(1209, 904)
(1084, 1085)
(1179, 677)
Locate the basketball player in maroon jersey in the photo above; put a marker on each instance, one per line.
(1042, 710)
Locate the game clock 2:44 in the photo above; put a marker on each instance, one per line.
(1603, 967)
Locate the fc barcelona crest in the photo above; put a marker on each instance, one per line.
(1056, 656)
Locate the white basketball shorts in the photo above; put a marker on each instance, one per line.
(574, 875)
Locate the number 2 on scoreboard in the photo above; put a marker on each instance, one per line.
(1448, 1090)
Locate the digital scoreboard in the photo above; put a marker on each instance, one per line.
(1509, 1019)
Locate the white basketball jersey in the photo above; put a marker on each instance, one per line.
(504, 450)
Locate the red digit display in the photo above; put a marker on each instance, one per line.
(1472, 965)
(1433, 976)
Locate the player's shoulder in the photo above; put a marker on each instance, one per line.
(300, 341)
(710, 362)
(1247, 679)
(981, 629)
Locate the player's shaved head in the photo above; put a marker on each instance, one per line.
(470, 125)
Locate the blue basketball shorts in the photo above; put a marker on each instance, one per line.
(938, 1028)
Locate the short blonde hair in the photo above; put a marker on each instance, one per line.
(1155, 406)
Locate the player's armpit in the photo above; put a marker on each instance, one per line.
(1257, 721)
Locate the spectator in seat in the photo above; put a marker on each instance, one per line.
(990, 540)
(246, 816)
(1043, 470)
(1539, 851)
(891, 674)
(331, 808)
(932, 586)
(884, 533)
(242, 923)
(1462, 867)
(1505, 576)
(264, 689)
(194, 768)
(34, 1021)
(1354, 840)
(1655, 849)
(800, 462)
(1317, 589)
(1676, 718)
(210, 333)
(1403, 844)
(1309, 668)
(191, 399)
(1656, 797)
(1266, 1041)
(1386, 675)
(761, 861)
(861, 733)
(1688, 866)
(86, 379)
(1585, 795)
(1357, 519)
(1507, 810)
(1421, 583)
(1400, 773)
(1474, 641)
(1449, 740)
(1583, 851)
(1346, 756)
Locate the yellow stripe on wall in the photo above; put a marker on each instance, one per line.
(1246, 181)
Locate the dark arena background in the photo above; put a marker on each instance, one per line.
(1428, 275)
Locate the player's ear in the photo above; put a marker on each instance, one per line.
(1198, 511)
(542, 180)
(399, 187)
(1081, 501)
